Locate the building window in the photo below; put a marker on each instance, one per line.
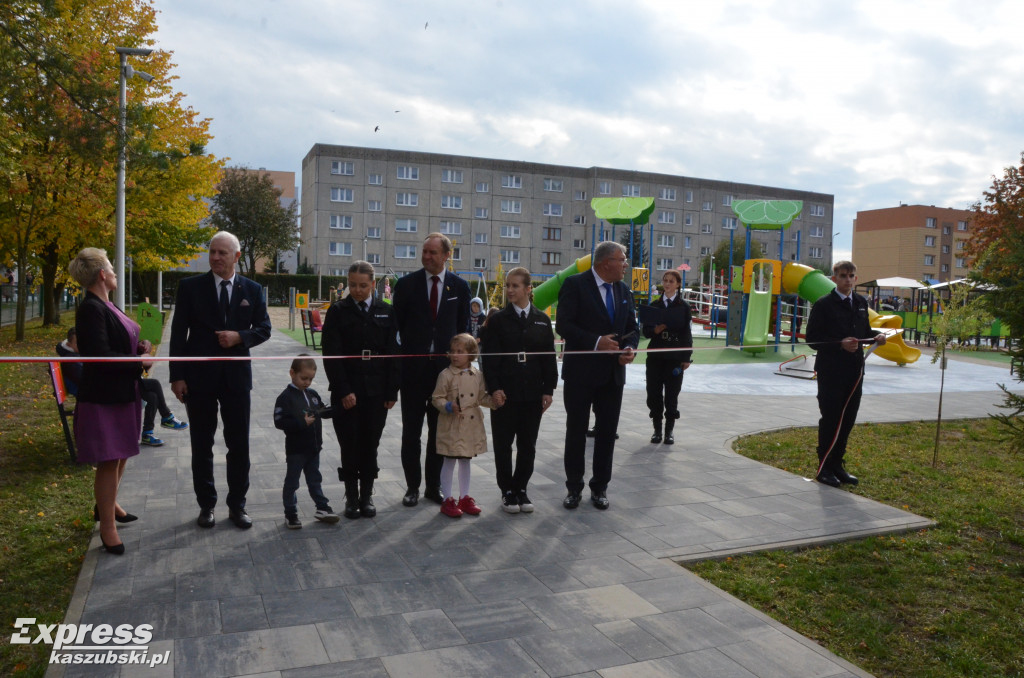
(726, 201)
(553, 209)
(688, 220)
(929, 260)
(553, 185)
(373, 232)
(483, 187)
(945, 249)
(929, 222)
(666, 240)
(960, 245)
(707, 206)
(373, 206)
(704, 251)
(817, 210)
(686, 242)
(817, 231)
(337, 271)
(450, 176)
(579, 243)
(929, 241)
(705, 228)
(481, 213)
(407, 199)
(666, 217)
(552, 234)
(729, 223)
(667, 194)
(451, 227)
(342, 195)
(509, 231)
(408, 173)
(456, 254)
(341, 221)
(406, 225)
(341, 249)
(631, 190)
(480, 238)
(551, 258)
(947, 229)
(665, 265)
(511, 206)
(689, 196)
(511, 181)
(604, 188)
(961, 262)
(343, 167)
(579, 195)
(961, 225)
(579, 219)
(451, 202)
(375, 179)
(510, 256)
(814, 252)
(373, 259)
(405, 251)
(480, 263)
(944, 268)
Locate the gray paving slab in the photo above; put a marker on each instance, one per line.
(552, 593)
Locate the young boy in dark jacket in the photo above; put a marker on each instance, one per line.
(298, 412)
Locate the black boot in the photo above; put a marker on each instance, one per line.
(366, 507)
(841, 474)
(352, 498)
(669, 425)
(656, 438)
(825, 475)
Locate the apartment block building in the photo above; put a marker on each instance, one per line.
(922, 242)
(378, 204)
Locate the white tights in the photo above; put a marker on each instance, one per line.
(447, 473)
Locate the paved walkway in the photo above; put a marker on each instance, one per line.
(553, 593)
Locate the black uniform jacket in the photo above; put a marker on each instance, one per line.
(583, 319)
(101, 334)
(672, 337)
(533, 376)
(289, 416)
(350, 332)
(831, 321)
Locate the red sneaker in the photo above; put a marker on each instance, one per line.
(450, 508)
(468, 505)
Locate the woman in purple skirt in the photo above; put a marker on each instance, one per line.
(109, 412)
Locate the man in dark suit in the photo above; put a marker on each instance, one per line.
(218, 314)
(431, 306)
(838, 324)
(595, 314)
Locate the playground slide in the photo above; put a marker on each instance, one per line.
(546, 293)
(759, 310)
(811, 284)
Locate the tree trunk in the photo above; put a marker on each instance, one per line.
(51, 309)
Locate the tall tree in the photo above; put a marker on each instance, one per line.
(249, 205)
(996, 248)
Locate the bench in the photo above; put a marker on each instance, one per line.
(60, 394)
(311, 323)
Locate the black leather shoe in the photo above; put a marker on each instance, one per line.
(656, 438)
(669, 439)
(126, 518)
(206, 519)
(572, 500)
(844, 477)
(826, 478)
(116, 549)
(411, 498)
(434, 495)
(367, 509)
(241, 519)
(599, 500)
(352, 510)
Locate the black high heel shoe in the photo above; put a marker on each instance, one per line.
(126, 518)
(116, 549)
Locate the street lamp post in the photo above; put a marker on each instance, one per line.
(126, 72)
(832, 249)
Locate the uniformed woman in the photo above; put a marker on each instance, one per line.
(363, 387)
(665, 368)
(521, 373)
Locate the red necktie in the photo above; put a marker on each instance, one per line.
(433, 297)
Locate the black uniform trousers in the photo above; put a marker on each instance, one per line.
(833, 391)
(663, 387)
(202, 413)
(606, 400)
(359, 430)
(419, 376)
(519, 422)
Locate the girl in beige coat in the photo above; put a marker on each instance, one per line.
(459, 394)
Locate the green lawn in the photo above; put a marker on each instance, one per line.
(935, 603)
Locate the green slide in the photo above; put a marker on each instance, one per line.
(759, 309)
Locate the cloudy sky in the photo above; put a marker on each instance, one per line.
(873, 102)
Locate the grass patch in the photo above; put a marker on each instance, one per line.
(45, 501)
(940, 602)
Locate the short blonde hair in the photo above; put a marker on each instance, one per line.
(467, 343)
(446, 243)
(86, 267)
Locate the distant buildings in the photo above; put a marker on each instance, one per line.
(911, 241)
(378, 205)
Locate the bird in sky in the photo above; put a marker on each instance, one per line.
(425, 25)
(376, 128)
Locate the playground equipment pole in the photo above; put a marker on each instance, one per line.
(650, 264)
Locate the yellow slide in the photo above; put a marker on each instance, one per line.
(895, 349)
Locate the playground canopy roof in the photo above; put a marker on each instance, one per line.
(623, 210)
(905, 283)
(767, 215)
